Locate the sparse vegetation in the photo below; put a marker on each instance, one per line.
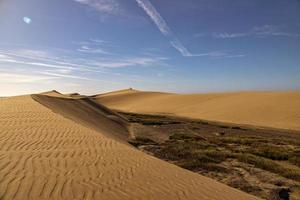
(242, 184)
(138, 141)
(269, 165)
(210, 149)
(271, 151)
(182, 136)
(295, 158)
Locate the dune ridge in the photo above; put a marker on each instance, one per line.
(87, 112)
(264, 109)
(46, 155)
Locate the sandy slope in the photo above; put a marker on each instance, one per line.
(270, 109)
(86, 112)
(44, 155)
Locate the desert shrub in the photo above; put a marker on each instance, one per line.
(176, 150)
(203, 158)
(268, 165)
(185, 136)
(237, 128)
(244, 185)
(280, 194)
(138, 141)
(271, 151)
(223, 126)
(152, 123)
(196, 165)
(295, 158)
(258, 162)
(218, 156)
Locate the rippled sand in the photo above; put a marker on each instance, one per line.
(49, 150)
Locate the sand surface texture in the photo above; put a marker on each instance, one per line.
(266, 109)
(48, 154)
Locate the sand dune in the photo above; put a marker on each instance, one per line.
(50, 149)
(267, 109)
(86, 112)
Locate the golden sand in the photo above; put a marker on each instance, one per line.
(266, 109)
(53, 150)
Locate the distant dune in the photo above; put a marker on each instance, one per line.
(267, 109)
(55, 146)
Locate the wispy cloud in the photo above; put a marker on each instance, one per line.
(17, 61)
(6, 77)
(33, 58)
(222, 54)
(43, 60)
(87, 49)
(164, 28)
(261, 31)
(127, 62)
(62, 75)
(104, 6)
(3, 56)
(167, 32)
(95, 42)
(229, 35)
(95, 46)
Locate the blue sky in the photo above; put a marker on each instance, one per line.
(93, 46)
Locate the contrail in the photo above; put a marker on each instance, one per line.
(164, 28)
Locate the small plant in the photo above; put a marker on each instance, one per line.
(269, 165)
(138, 141)
(186, 136)
(271, 151)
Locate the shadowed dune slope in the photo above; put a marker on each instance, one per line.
(87, 112)
(46, 155)
(267, 109)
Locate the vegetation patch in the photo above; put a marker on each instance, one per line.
(295, 158)
(139, 141)
(225, 153)
(271, 151)
(269, 165)
(186, 136)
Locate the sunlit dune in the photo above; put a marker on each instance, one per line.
(267, 109)
(56, 146)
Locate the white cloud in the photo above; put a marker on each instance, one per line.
(87, 49)
(229, 35)
(3, 56)
(261, 31)
(53, 74)
(87, 65)
(104, 6)
(35, 64)
(22, 78)
(99, 41)
(33, 58)
(34, 53)
(93, 42)
(127, 62)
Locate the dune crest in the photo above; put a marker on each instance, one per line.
(87, 112)
(266, 109)
(44, 154)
